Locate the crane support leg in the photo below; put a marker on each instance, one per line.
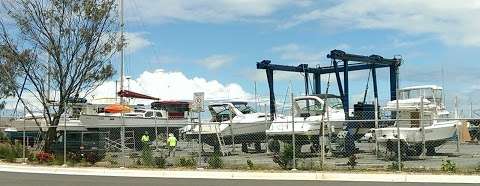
(272, 93)
(374, 79)
(317, 81)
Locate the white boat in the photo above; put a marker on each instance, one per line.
(167, 114)
(438, 128)
(230, 120)
(309, 113)
(36, 121)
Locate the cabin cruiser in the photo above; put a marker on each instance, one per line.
(231, 122)
(438, 128)
(162, 113)
(309, 114)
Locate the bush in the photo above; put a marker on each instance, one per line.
(110, 158)
(3, 137)
(477, 169)
(7, 152)
(215, 162)
(184, 162)
(147, 156)
(160, 162)
(44, 157)
(449, 166)
(74, 158)
(93, 157)
(285, 158)
(250, 164)
(352, 161)
(394, 166)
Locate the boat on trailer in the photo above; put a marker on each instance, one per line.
(438, 126)
(162, 118)
(231, 122)
(309, 114)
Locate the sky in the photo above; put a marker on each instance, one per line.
(177, 47)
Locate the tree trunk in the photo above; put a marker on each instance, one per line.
(51, 135)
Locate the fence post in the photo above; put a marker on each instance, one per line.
(166, 123)
(231, 131)
(24, 146)
(399, 153)
(266, 128)
(322, 148)
(122, 141)
(375, 104)
(65, 135)
(457, 126)
(156, 129)
(293, 134)
(199, 161)
(422, 125)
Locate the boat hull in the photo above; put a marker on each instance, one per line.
(435, 135)
(96, 121)
(242, 132)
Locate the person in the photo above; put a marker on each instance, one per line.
(172, 144)
(145, 139)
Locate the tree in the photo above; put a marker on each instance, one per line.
(6, 88)
(64, 46)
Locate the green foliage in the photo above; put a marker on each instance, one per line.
(352, 161)
(110, 158)
(76, 38)
(477, 169)
(74, 158)
(93, 157)
(7, 152)
(186, 162)
(285, 158)
(147, 155)
(448, 166)
(3, 137)
(394, 166)
(215, 162)
(160, 162)
(250, 164)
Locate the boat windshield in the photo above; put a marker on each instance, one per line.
(244, 108)
(335, 103)
(220, 113)
(308, 107)
(433, 95)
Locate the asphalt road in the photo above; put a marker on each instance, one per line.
(24, 179)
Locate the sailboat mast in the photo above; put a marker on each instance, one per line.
(122, 30)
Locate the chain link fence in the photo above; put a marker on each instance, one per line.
(308, 142)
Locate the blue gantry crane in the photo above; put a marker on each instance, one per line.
(342, 62)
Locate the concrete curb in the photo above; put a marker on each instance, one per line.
(210, 174)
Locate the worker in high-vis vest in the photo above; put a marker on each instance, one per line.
(145, 140)
(172, 144)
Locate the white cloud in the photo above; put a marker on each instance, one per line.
(453, 22)
(296, 54)
(172, 86)
(136, 41)
(205, 10)
(215, 62)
